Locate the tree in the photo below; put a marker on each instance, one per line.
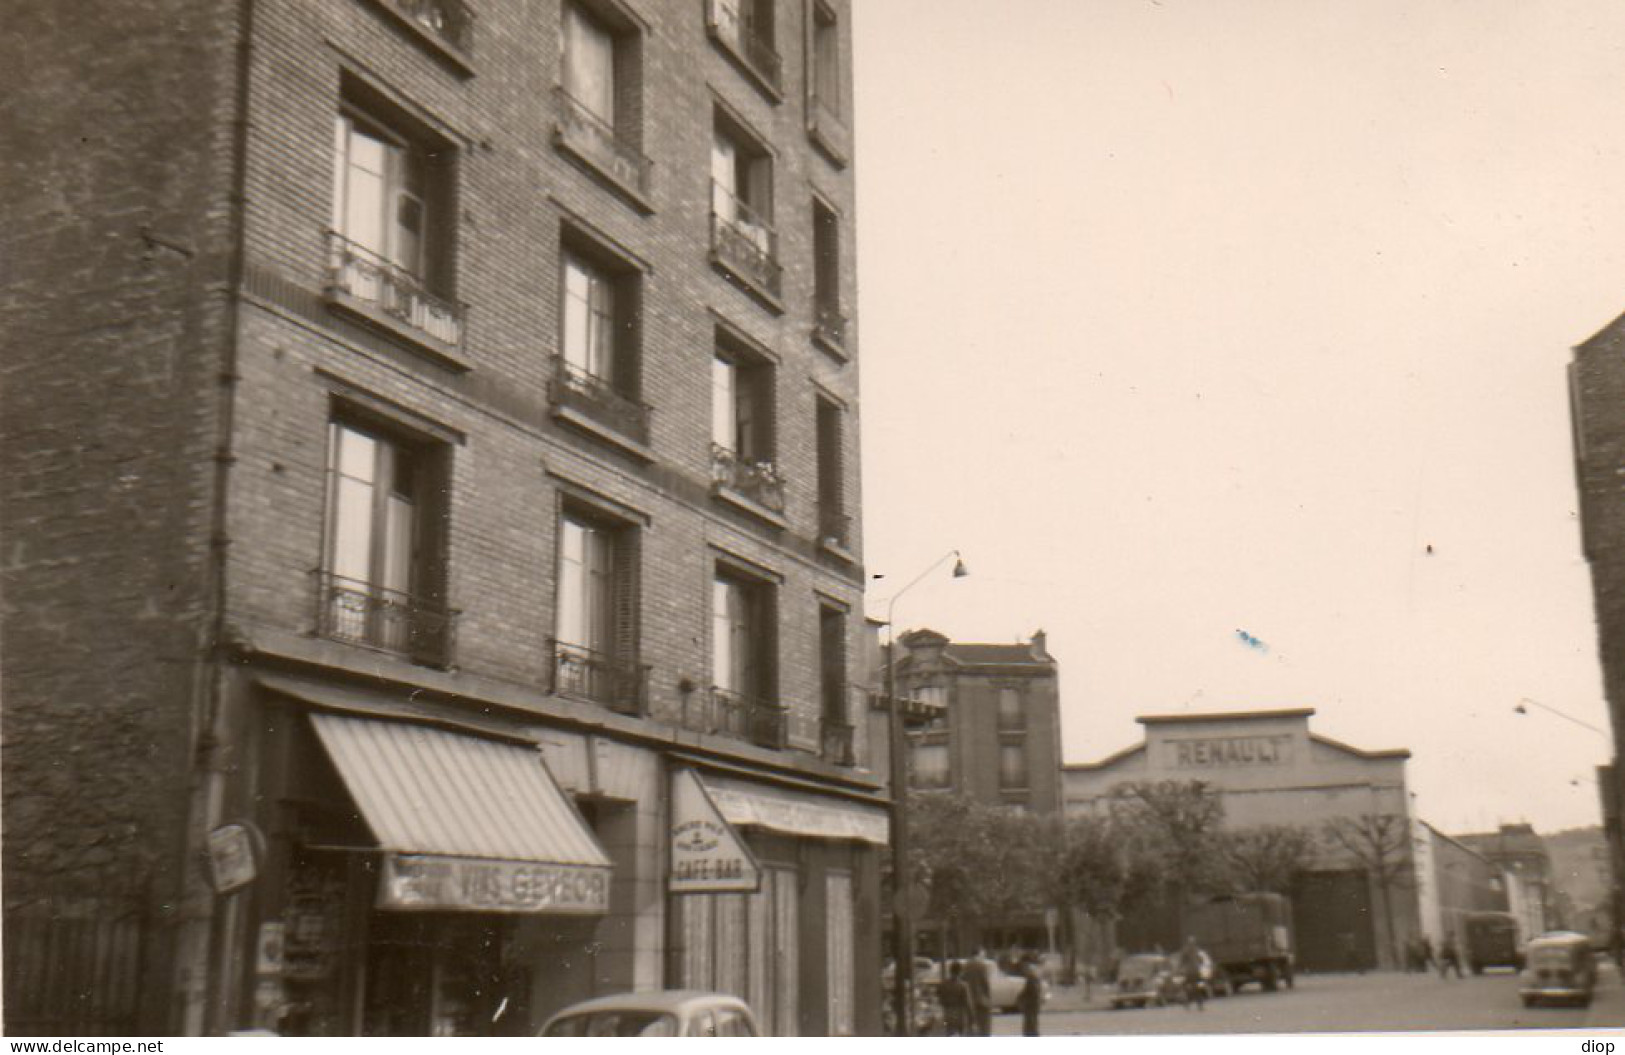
(1170, 829)
(977, 862)
(1380, 843)
(1268, 857)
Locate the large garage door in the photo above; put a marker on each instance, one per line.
(1334, 923)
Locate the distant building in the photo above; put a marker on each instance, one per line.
(1520, 851)
(999, 735)
(1582, 878)
(1460, 881)
(1270, 769)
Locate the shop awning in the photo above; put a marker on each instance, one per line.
(797, 812)
(465, 823)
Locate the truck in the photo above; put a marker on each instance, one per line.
(1249, 937)
(1492, 941)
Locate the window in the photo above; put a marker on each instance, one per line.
(745, 30)
(834, 526)
(594, 644)
(597, 375)
(742, 428)
(388, 250)
(1012, 765)
(600, 96)
(1012, 714)
(380, 581)
(445, 26)
(743, 241)
(930, 762)
(837, 728)
(829, 324)
(742, 675)
(826, 62)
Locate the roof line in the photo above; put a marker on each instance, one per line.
(1215, 716)
(1108, 760)
(1386, 752)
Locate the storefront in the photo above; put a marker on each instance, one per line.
(421, 880)
(770, 888)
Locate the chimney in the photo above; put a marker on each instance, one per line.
(1040, 644)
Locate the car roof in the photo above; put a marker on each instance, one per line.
(672, 1001)
(1559, 937)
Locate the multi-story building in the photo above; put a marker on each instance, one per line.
(1596, 387)
(997, 736)
(431, 490)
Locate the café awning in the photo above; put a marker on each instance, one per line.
(465, 823)
(793, 812)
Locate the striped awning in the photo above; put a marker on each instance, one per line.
(797, 812)
(456, 814)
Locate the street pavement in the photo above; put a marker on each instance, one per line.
(1338, 1003)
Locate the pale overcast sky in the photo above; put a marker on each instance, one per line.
(1181, 318)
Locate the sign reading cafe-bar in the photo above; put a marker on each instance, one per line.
(707, 854)
(421, 882)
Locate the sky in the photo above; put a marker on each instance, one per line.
(1184, 320)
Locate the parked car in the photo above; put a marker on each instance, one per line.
(1143, 980)
(1562, 968)
(1004, 989)
(658, 1013)
(927, 1008)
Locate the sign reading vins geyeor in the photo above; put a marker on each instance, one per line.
(1231, 751)
(425, 882)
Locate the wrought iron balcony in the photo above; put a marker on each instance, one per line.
(837, 742)
(450, 21)
(597, 141)
(757, 480)
(617, 684)
(733, 23)
(835, 528)
(829, 325)
(388, 620)
(364, 276)
(596, 398)
(739, 716)
(744, 242)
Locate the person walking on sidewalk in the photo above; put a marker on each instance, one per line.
(979, 986)
(954, 996)
(1190, 968)
(1032, 996)
(1449, 957)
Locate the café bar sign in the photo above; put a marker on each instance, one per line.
(707, 854)
(429, 883)
(1225, 752)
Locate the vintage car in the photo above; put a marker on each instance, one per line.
(1561, 968)
(1143, 980)
(657, 1013)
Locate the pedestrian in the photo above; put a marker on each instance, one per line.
(1190, 968)
(1031, 998)
(954, 995)
(1449, 958)
(978, 977)
(1427, 953)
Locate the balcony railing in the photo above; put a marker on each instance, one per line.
(744, 242)
(360, 273)
(736, 715)
(389, 620)
(758, 481)
(829, 325)
(596, 398)
(837, 742)
(733, 23)
(452, 21)
(617, 684)
(591, 137)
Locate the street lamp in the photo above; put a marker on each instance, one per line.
(1521, 709)
(902, 914)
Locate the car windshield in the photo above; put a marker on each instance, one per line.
(626, 1023)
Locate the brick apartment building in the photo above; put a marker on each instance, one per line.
(431, 490)
(1596, 389)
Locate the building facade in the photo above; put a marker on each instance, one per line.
(1517, 849)
(1349, 910)
(431, 454)
(1457, 882)
(998, 734)
(1596, 387)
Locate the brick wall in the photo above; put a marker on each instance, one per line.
(1597, 379)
